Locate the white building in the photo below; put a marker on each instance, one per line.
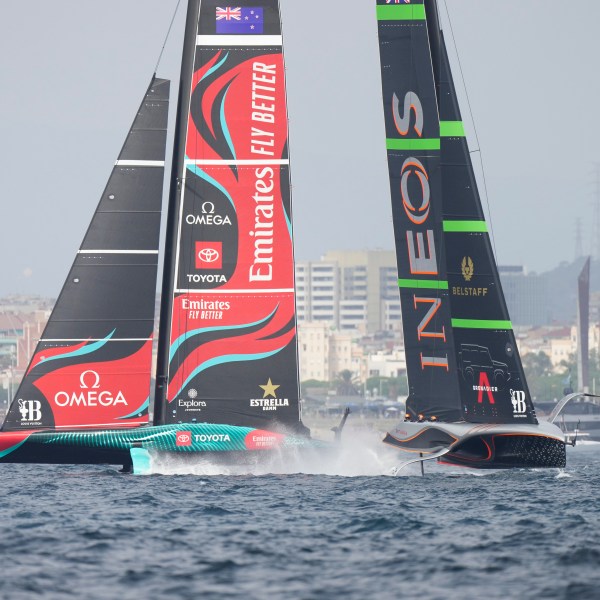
(353, 291)
(323, 352)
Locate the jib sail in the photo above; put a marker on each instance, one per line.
(229, 352)
(493, 388)
(413, 150)
(92, 366)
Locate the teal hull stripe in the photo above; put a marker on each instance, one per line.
(481, 324)
(413, 144)
(194, 332)
(206, 437)
(465, 227)
(401, 13)
(82, 351)
(198, 171)
(423, 283)
(12, 448)
(452, 129)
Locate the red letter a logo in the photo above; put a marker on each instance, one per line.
(484, 386)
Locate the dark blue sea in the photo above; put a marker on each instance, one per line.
(340, 528)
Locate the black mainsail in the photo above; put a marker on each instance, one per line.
(92, 366)
(462, 360)
(493, 387)
(413, 148)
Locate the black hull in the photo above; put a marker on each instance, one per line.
(509, 452)
(40, 453)
(483, 446)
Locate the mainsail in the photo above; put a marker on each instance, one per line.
(92, 366)
(462, 358)
(227, 349)
(413, 148)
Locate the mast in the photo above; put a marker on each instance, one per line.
(177, 174)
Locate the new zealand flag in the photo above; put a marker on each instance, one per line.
(232, 20)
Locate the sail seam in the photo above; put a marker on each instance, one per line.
(452, 129)
(465, 227)
(239, 40)
(140, 163)
(96, 340)
(220, 291)
(237, 162)
(423, 283)
(481, 324)
(117, 252)
(401, 13)
(413, 144)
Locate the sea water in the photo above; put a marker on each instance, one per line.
(324, 527)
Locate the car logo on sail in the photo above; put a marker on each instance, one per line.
(184, 438)
(467, 268)
(209, 255)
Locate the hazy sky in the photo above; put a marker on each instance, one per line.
(74, 71)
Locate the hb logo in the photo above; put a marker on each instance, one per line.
(517, 397)
(31, 410)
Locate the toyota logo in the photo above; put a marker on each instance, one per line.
(183, 438)
(208, 255)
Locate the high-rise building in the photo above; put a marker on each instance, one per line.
(354, 291)
(526, 296)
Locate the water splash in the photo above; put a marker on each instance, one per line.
(359, 454)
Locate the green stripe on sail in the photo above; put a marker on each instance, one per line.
(401, 13)
(423, 283)
(452, 129)
(481, 324)
(465, 226)
(413, 144)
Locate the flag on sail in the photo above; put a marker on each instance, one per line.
(239, 20)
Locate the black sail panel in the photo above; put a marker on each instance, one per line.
(492, 382)
(92, 366)
(231, 354)
(413, 149)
